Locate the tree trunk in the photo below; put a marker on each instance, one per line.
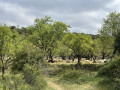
(63, 57)
(88, 58)
(114, 52)
(103, 55)
(3, 71)
(79, 58)
(73, 59)
(50, 57)
(69, 57)
(94, 59)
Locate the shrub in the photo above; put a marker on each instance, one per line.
(112, 69)
(111, 73)
(30, 54)
(14, 82)
(34, 77)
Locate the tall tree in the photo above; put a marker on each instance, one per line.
(47, 33)
(111, 27)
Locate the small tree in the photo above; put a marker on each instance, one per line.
(106, 44)
(80, 44)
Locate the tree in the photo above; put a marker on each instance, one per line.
(106, 44)
(46, 34)
(80, 44)
(6, 47)
(111, 27)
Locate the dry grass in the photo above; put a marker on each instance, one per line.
(51, 83)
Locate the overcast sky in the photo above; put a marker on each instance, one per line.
(84, 16)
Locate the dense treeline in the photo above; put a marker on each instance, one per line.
(24, 52)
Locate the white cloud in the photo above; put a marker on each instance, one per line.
(13, 14)
(114, 5)
(83, 15)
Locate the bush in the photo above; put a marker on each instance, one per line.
(30, 54)
(34, 77)
(29, 61)
(111, 73)
(14, 82)
(29, 79)
(112, 69)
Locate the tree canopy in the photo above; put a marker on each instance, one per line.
(80, 44)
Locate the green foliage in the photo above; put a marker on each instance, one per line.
(106, 45)
(63, 51)
(29, 54)
(111, 69)
(28, 61)
(6, 45)
(7, 48)
(14, 82)
(18, 41)
(117, 43)
(112, 72)
(96, 47)
(111, 27)
(111, 24)
(81, 44)
(34, 77)
(47, 34)
(29, 79)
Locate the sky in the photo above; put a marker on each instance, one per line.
(84, 16)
